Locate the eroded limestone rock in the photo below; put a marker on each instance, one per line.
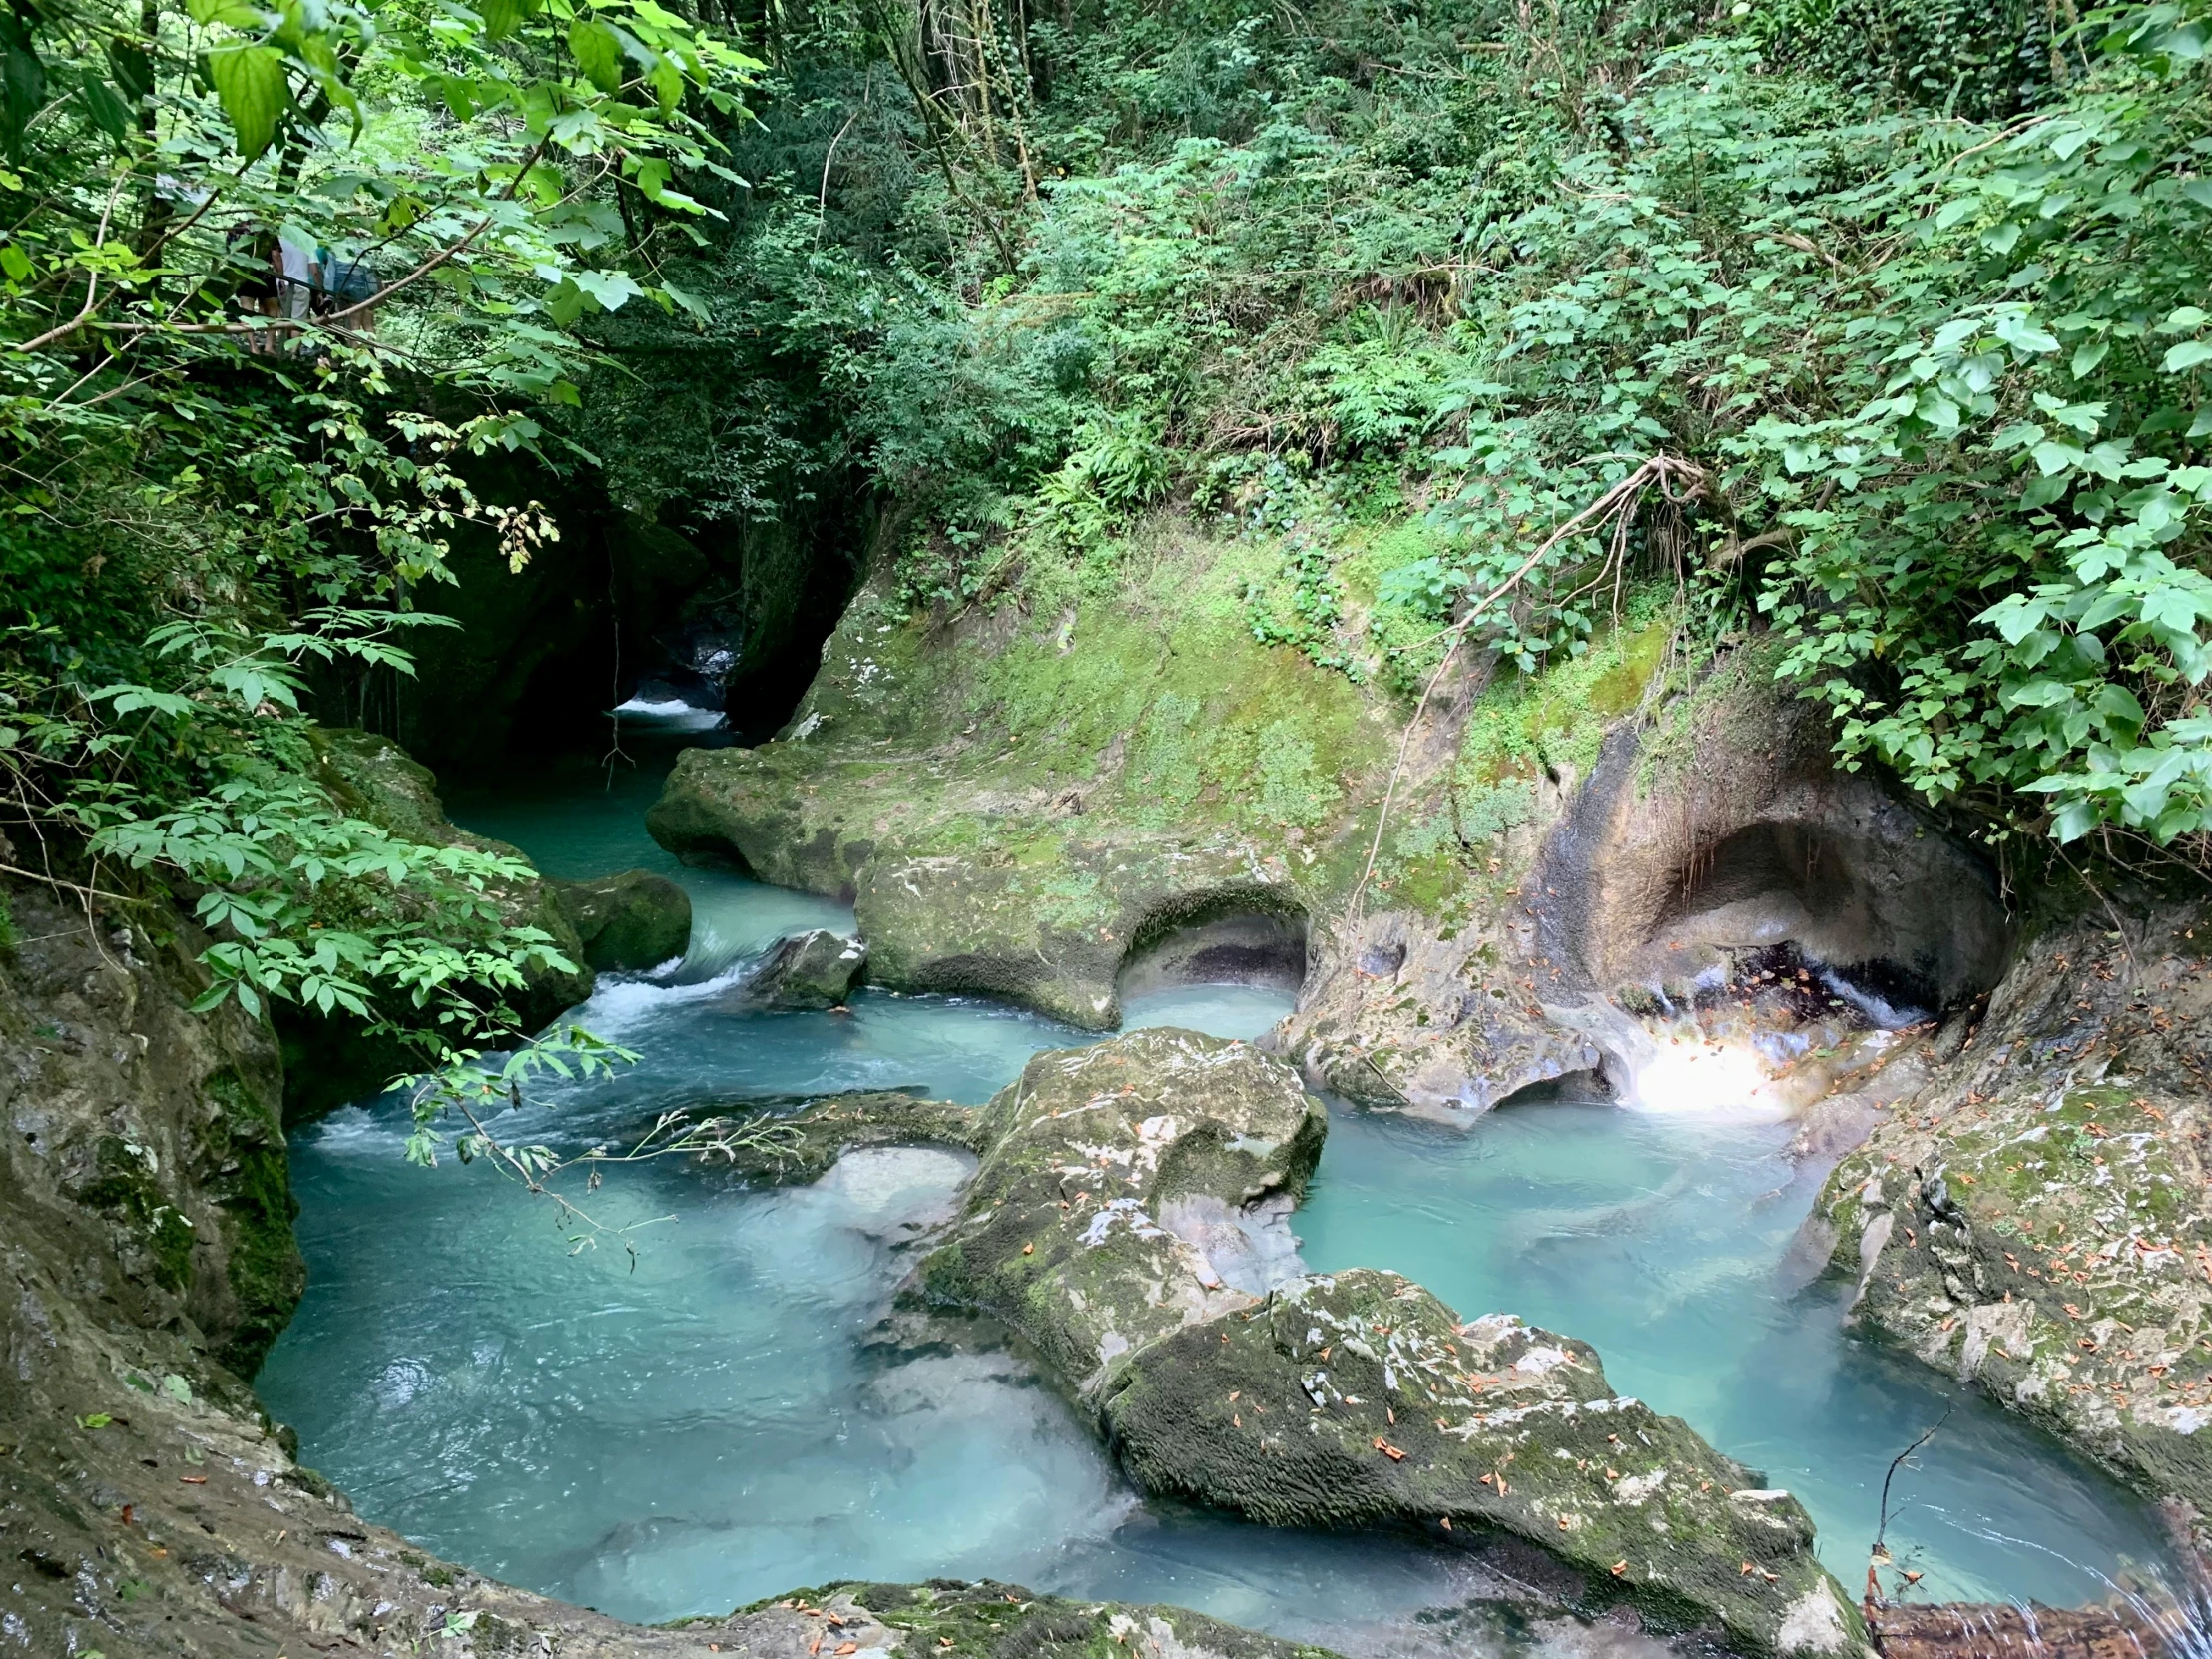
(1358, 1398)
(1093, 1159)
(816, 969)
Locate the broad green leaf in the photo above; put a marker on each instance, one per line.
(597, 53)
(2187, 355)
(109, 113)
(254, 91)
(611, 289)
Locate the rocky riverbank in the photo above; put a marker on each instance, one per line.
(1048, 807)
(148, 1508)
(2034, 1219)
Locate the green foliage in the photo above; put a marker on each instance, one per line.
(226, 475)
(1928, 369)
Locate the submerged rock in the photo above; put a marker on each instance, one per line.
(1131, 1220)
(628, 922)
(792, 1148)
(816, 969)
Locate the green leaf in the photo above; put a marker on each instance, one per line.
(597, 53)
(132, 70)
(611, 289)
(109, 112)
(2187, 355)
(14, 262)
(501, 17)
(254, 89)
(2088, 355)
(22, 91)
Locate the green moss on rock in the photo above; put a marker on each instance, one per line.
(1358, 1398)
(626, 923)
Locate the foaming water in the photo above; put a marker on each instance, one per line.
(1660, 1241)
(734, 1414)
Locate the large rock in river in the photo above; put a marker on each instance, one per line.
(815, 969)
(627, 922)
(1131, 1220)
(1358, 1398)
(1129, 1190)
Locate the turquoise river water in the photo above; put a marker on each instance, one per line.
(726, 1416)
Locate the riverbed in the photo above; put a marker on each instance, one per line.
(712, 1399)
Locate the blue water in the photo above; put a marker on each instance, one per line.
(714, 1400)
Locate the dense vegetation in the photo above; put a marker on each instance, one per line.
(1882, 328)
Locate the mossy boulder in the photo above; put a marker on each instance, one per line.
(1017, 803)
(332, 1060)
(1040, 911)
(627, 922)
(1129, 1190)
(815, 969)
(2037, 1219)
(1359, 1398)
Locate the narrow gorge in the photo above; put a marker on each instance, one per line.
(1712, 1052)
(1135, 829)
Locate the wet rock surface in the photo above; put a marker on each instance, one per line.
(1130, 1220)
(627, 922)
(1046, 926)
(2035, 1218)
(816, 969)
(1017, 806)
(1065, 1233)
(1358, 1397)
(799, 1146)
